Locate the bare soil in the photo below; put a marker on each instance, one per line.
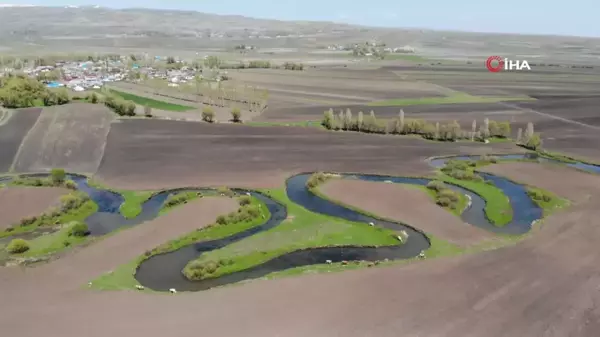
(201, 154)
(406, 204)
(70, 136)
(578, 187)
(12, 132)
(17, 203)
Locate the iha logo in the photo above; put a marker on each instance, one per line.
(496, 64)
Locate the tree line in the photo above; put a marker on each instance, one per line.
(345, 121)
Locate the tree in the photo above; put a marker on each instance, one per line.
(148, 111)
(437, 134)
(62, 96)
(236, 115)
(328, 119)
(348, 120)
(208, 115)
(79, 229)
(130, 108)
(94, 98)
(473, 129)
(534, 142)
(359, 121)
(528, 133)
(213, 62)
(520, 136)
(58, 176)
(504, 130)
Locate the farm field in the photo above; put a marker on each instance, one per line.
(345, 233)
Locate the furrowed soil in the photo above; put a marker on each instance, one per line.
(406, 204)
(70, 136)
(12, 132)
(202, 154)
(17, 203)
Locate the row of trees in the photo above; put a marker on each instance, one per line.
(119, 105)
(434, 131)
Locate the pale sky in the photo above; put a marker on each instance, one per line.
(575, 17)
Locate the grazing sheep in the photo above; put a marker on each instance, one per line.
(344, 263)
(90, 284)
(371, 224)
(248, 194)
(403, 236)
(422, 254)
(173, 291)
(328, 261)
(139, 287)
(388, 181)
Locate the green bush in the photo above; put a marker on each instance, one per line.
(539, 195)
(58, 176)
(28, 220)
(208, 114)
(17, 246)
(221, 220)
(236, 115)
(316, 179)
(225, 191)
(245, 200)
(436, 185)
(21, 92)
(79, 229)
(93, 98)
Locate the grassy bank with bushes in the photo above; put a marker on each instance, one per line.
(303, 229)
(123, 276)
(76, 206)
(547, 201)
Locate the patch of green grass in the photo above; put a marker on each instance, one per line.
(160, 105)
(564, 158)
(123, 277)
(53, 243)
(132, 204)
(177, 199)
(452, 99)
(497, 204)
(547, 201)
(303, 229)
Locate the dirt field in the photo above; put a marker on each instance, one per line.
(70, 136)
(12, 132)
(238, 155)
(544, 286)
(405, 204)
(17, 203)
(580, 186)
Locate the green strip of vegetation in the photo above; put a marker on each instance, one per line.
(302, 230)
(564, 158)
(452, 99)
(76, 206)
(547, 201)
(405, 57)
(152, 103)
(497, 204)
(123, 277)
(132, 204)
(452, 201)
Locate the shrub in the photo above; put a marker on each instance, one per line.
(93, 98)
(58, 176)
(444, 202)
(245, 200)
(436, 185)
(236, 115)
(28, 220)
(316, 179)
(17, 246)
(221, 220)
(148, 111)
(208, 115)
(539, 195)
(70, 184)
(225, 191)
(449, 194)
(534, 142)
(79, 229)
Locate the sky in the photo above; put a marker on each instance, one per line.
(575, 17)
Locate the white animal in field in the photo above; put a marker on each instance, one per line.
(139, 287)
(173, 291)
(248, 194)
(371, 224)
(328, 261)
(422, 254)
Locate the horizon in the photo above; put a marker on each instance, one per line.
(441, 15)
